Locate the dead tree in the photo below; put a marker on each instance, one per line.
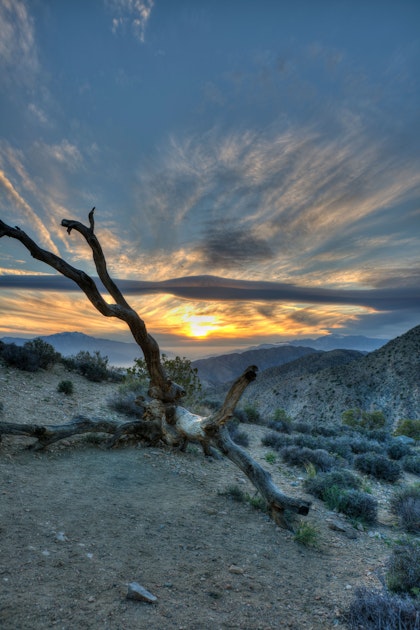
(163, 417)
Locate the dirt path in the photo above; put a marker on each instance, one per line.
(78, 523)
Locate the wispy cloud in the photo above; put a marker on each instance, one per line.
(18, 51)
(132, 13)
(19, 203)
(278, 198)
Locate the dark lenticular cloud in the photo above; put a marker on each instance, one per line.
(226, 246)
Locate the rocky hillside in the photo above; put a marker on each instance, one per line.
(387, 379)
(226, 367)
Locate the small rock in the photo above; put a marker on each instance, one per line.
(61, 537)
(139, 593)
(237, 570)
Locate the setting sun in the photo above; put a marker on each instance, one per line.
(200, 325)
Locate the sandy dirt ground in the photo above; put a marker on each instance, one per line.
(79, 522)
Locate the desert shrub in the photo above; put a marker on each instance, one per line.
(65, 387)
(308, 441)
(360, 444)
(380, 610)
(20, 357)
(378, 466)
(274, 440)
(403, 575)
(252, 415)
(408, 427)
(340, 446)
(94, 366)
(379, 435)
(363, 420)
(324, 430)
(297, 456)
(405, 504)
(342, 479)
(280, 415)
(358, 505)
(179, 370)
(235, 493)
(238, 436)
(306, 534)
(45, 352)
(126, 403)
(397, 449)
(280, 426)
(411, 464)
(302, 427)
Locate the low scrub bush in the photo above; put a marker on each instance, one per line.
(274, 440)
(408, 427)
(65, 387)
(378, 466)
(342, 479)
(403, 574)
(20, 357)
(280, 426)
(296, 456)
(363, 420)
(252, 415)
(45, 352)
(397, 449)
(126, 403)
(302, 427)
(306, 534)
(324, 430)
(405, 504)
(239, 437)
(380, 610)
(94, 366)
(359, 444)
(411, 464)
(358, 505)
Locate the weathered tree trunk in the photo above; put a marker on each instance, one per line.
(163, 418)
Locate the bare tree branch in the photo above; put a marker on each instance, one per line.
(163, 418)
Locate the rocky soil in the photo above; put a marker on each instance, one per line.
(79, 523)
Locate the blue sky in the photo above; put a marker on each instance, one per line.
(272, 145)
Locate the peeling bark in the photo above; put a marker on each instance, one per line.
(164, 419)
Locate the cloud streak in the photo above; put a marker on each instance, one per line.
(212, 288)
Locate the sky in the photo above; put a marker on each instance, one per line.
(254, 164)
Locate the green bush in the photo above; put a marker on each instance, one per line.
(403, 574)
(405, 504)
(252, 414)
(179, 370)
(363, 420)
(378, 466)
(410, 428)
(45, 352)
(65, 387)
(20, 357)
(342, 479)
(306, 534)
(94, 367)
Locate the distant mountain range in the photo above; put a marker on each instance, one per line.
(319, 387)
(216, 369)
(223, 368)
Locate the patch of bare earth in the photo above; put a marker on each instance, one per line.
(79, 522)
